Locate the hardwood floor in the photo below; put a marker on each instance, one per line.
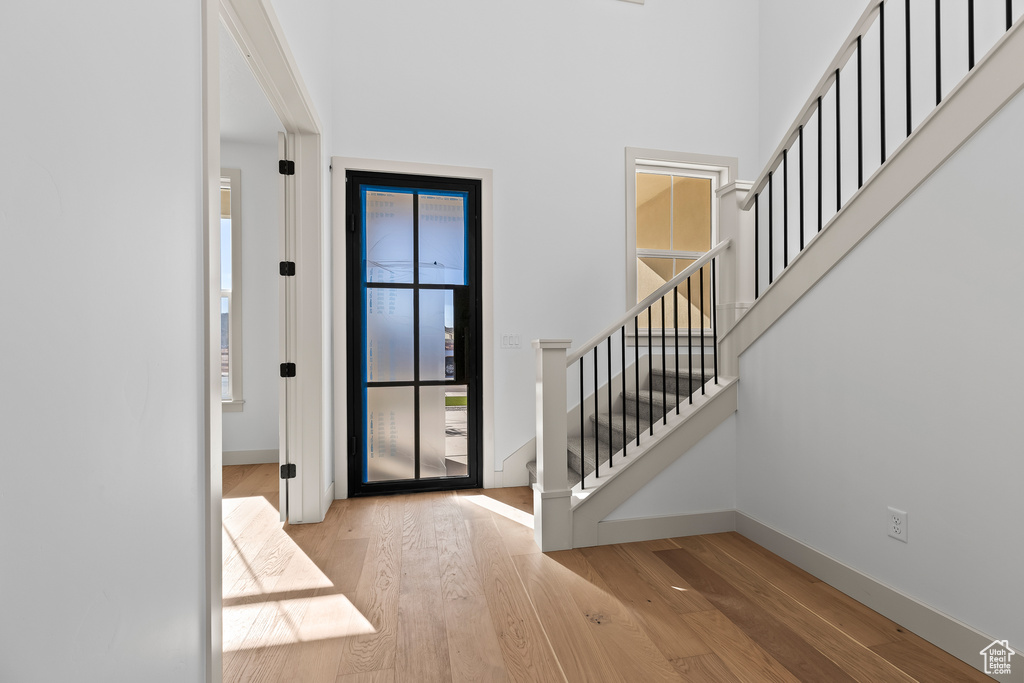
(450, 587)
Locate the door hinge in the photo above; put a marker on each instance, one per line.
(288, 471)
(287, 268)
(285, 167)
(287, 369)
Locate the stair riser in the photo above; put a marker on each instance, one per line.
(644, 408)
(668, 382)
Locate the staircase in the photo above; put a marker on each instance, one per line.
(778, 237)
(604, 435)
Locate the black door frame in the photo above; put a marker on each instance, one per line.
(469, 374)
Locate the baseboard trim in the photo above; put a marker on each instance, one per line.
(251, 457)
(328, 498)
(650, 528)
(942, 630)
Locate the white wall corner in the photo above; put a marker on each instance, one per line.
(513, 468)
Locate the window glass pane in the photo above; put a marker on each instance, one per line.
(390, 434)
(442, 234)
(437, 334)
(653, 272)
(694, 303)
(444, 435)
(388, 218)
(225, 253)
(653, 211)
(389, 338)
(225, 354)
(691, 214)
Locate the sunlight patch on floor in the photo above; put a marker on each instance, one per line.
(516, 515)
(285, 622)
(251, 565)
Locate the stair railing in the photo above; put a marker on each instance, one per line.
(598, 361)
(822, 117)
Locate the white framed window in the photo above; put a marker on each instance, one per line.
(671, 221)
(231, 289)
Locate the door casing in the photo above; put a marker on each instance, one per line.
(339, 167)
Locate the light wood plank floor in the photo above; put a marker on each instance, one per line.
(450, 587)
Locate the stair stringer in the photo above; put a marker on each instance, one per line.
(669, 444)
(993, 82)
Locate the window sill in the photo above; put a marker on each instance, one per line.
(232, 406)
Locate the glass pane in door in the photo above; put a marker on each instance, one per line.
(389, 335)
(390, 434)
(444, 436)
(388, 217)
(437, 334)
(442, 237)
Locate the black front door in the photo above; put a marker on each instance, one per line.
(414, 333)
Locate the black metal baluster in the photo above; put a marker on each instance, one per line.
(650, 373)
(881, 74)
(860, 119)
(1009, 14)
(611, 435)
(636, 372)
(757, 254)
(839, 152)
(785, 208)
(675, 326)
(910, 126)
(624, 431)
(583, 440)
(801, 136)
(714, 319)
(702, 380)
(664, 369)
(689, 341)
(771, 237)
(938, 54)
(819, 164)
(597, 414)
(970, 34)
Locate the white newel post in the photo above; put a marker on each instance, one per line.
(736, 276)
(552, 517)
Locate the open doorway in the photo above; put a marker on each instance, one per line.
(250, 211)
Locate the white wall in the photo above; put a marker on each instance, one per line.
(702, 480)
(797, 39)
(255, 428)
(548, 95)
(896, 381)
(102, 569)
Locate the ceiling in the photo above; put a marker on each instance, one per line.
(245, 114)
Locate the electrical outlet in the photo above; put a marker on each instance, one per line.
(896, 523)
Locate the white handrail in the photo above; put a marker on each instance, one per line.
(789, 139)
(648, 301)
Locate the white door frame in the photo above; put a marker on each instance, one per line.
(254, 26)
(339, 167)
